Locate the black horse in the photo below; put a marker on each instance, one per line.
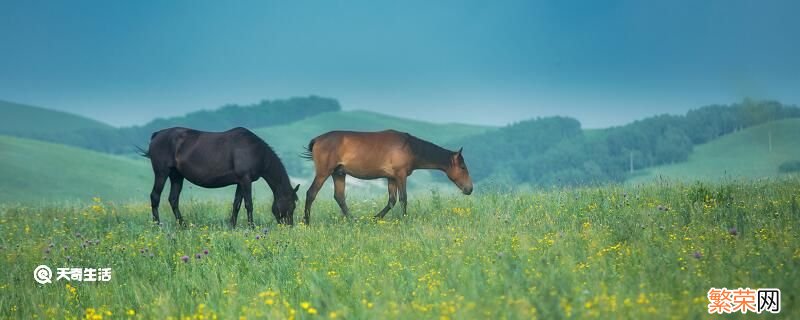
(215, 160)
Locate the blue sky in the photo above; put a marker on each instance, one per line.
(491, 62)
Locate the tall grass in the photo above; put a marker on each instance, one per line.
(648, 251)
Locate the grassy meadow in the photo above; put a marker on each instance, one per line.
(632, 251)
(35, 171)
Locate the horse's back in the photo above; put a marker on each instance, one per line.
(209, 159)
(383, 136)
(174, 137)
(365, 155)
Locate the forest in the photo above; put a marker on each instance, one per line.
(557, 151)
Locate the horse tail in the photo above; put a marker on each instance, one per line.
(142, 152)
(308, 154)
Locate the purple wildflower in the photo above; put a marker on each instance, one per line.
(697, 255)
(185, 258)
(205, 252)
(198, 256)
(732, 231)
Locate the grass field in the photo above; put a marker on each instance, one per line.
(613, 252)
(34, 171)
(743, 154)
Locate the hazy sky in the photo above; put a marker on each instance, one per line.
(491, 62)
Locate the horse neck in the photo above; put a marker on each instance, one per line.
(277, 178)
(430, 156)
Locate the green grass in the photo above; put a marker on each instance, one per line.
(29, 121)
(566, 253)
(743, 154)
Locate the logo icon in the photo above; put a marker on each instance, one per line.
(770, 300)
(42, 274)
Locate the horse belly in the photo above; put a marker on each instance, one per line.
(367, 173)
(207, 178)
(372, 167)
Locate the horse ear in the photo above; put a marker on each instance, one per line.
(460, 149)
(296, 188)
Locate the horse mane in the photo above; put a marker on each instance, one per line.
(428, 152)
(276, 170)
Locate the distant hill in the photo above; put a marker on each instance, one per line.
(21, 119)
(556, 151)
(743, 154)
(536, 152)
(266, 113)
(33, 170)
(54, 126)
(33, 122)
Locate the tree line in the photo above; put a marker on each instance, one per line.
(262, 114)
(556, 151)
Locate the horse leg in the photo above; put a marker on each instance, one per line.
(338, 193)
(319, 180)
(247, 193)
(237, 204)
(392, 198)
(176, 184)
(155, 195)
(401, 188)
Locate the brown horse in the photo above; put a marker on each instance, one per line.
(371, 155)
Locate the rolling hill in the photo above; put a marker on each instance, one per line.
(39, 171)
(36, 171)
(35, 122)
(743, 154)
(19, 120)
